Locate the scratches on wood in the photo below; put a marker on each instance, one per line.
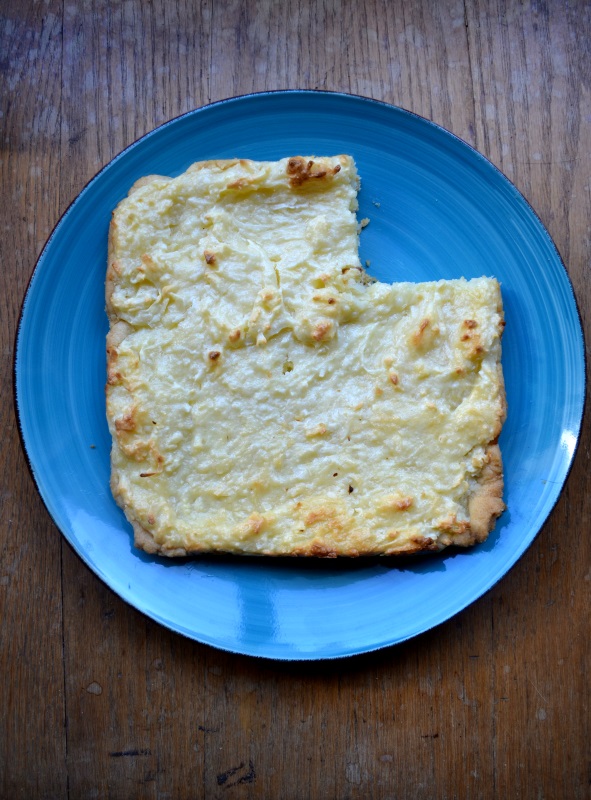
(243, 773)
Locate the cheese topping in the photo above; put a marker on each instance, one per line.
(265, 397)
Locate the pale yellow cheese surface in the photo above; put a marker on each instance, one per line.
(264, 397)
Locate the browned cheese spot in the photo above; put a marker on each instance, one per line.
(316, 516)
(300, 171)
(468, 325)
(472, 336)
(241, 183)
(126, 422)
(452, 525)
(209, 257)
(319, 298)
(321, 550)
(253, 525)
(424, 543)
(403, 503)
(417, 336)
(113, 378)
(321, 330)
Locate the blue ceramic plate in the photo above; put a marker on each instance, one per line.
(438, 210)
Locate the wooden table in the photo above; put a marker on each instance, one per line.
(97, 700)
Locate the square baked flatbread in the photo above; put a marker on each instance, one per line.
(266, 397)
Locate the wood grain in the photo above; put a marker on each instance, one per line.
(32, 696)
(97, 700)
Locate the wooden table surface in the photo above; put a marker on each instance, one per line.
(97, 700)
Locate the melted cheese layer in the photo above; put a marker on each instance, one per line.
(264, 397)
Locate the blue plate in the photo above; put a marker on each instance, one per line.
(438, 209)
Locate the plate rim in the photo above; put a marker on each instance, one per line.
(388, 107)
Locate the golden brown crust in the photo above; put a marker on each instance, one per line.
(486, 504)
(143, 540)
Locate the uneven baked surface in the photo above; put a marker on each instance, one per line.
(265, 397)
